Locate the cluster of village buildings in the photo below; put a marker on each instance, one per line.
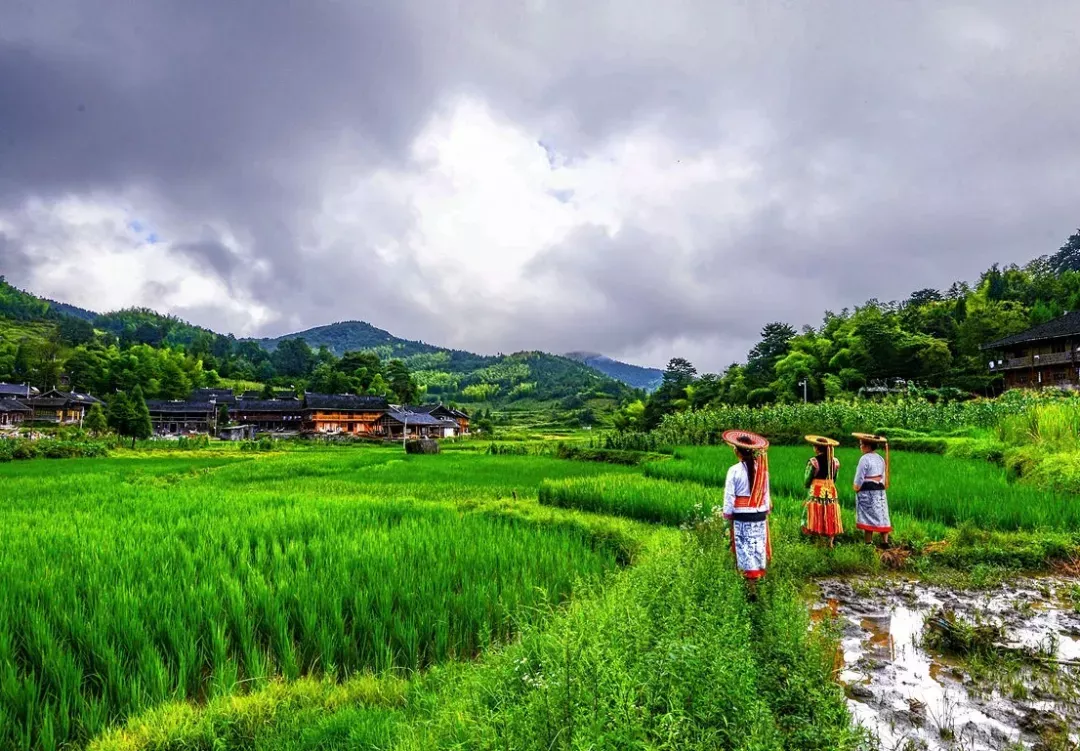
(249, 414)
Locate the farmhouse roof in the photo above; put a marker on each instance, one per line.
(346, 402)
(429, 409)
(11, 405)
(1066, 325)
(417, 418)
(57, 398)
(176, 407)
(12, 390)
(219, 395)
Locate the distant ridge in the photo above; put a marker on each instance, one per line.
(353, 336)
(636, 376)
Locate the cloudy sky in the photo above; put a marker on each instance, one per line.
(642, 179)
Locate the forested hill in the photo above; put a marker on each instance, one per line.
(647, 379)
(47, 343)
(353, 336)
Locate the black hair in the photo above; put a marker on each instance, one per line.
(746, 456)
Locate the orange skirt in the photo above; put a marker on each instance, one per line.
(821, 514)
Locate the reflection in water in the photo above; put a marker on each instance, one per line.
(903, 693)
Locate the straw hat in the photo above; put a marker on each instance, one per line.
(745, 440)
(820, 440)
(871, 437)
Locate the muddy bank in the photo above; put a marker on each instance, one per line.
(1016, 687)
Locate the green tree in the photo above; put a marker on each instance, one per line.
(141, 426)
(402, 384)
(293, 358)
(775, 342)
(1068, 256)
(223, 416)
(95, 421)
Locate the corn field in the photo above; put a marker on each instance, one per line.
(704, 427)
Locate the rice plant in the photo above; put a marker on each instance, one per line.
(128, 582)
(634, 497)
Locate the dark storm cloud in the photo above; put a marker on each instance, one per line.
(896, 146)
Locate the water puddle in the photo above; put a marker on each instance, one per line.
(912, 696)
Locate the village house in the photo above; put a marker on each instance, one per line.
(398, 423)
(370, 416)
(268, 415)
(440, 410)
(62, 407)
(343, 413)
(1044, 356)
(180, 417)
(13, 413)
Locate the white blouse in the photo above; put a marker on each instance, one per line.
(870, 465)
(739, 485)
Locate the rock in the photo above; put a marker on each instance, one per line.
(859, 691)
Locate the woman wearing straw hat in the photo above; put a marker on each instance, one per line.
(871, 482)
(821, 513)
(747, 503)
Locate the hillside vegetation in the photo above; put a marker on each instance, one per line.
(41, 341)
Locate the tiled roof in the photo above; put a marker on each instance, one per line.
(418, 418)
(11, 405)
(16, 389)
(1066, 325)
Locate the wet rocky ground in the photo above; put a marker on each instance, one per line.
(931, 668)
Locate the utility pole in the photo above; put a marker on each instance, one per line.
(405, 431)
(803, 384)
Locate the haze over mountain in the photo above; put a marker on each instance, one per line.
(637, 376)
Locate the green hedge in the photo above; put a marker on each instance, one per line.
(21, 448)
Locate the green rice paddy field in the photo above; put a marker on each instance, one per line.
(358, 598)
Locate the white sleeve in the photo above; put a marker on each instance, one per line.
(767, 498)
(729, 491)
(860, 471)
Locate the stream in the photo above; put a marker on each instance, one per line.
(912, 697)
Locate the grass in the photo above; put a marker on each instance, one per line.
(354, 597)
(669, 655)
(159, 579)
(633, 497)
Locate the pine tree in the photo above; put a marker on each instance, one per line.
(95, 421)
(141, 426)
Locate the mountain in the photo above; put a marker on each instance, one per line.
(140, 345)
(456, 375)
(636, 376)
(352, 336)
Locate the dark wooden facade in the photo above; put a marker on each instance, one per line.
(61, 407)
(180, 417)
(13, 413)
(1045, 356)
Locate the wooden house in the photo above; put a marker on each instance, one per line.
(400, 423)
(1044, 356)
(61, 407)
(342, 413)
(179, 417)
(13, 413)
(441, 411)
(268, 415)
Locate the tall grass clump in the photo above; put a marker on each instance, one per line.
(129, 582)
(634, 497)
